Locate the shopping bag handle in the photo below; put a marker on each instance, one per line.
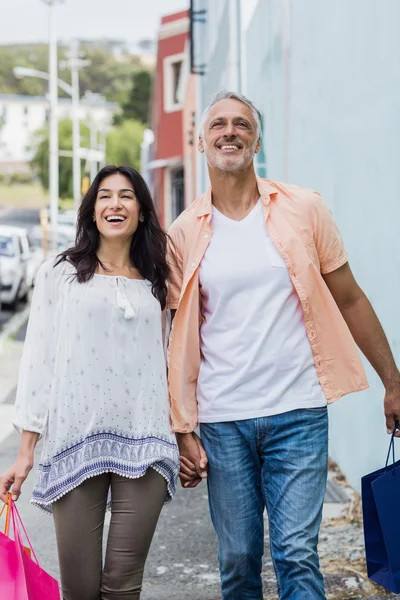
(7, 523)
(391, 445)
(17, 522)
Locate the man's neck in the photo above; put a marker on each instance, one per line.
(234, 194)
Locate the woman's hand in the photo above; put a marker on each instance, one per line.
(12, 479)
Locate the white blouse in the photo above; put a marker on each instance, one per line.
(93, 383)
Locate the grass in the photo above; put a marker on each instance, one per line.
(27, 196)
(23, 196)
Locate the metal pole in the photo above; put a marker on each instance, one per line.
(93, 146)
(76, 161)
(53, 142)
(234, 46)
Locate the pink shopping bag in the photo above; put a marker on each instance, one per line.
(21, 577)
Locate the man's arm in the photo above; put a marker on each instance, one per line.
(193, 457)
(369, 336)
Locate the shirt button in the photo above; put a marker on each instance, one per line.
(193, 265)
(206, 236)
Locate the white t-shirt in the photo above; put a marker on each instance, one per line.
(256, 357)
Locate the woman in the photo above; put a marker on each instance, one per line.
(93, 384)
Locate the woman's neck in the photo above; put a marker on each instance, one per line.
(115, 254)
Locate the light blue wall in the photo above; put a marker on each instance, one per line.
(343, 139)
(331, 112)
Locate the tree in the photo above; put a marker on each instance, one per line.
(40, 161)
(137, 104)
(123, 144)
(109, 74)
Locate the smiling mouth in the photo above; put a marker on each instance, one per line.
(115, 219)
(229, 147)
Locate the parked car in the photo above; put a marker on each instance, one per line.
(14, 264)
(68, 217)
(38, 253)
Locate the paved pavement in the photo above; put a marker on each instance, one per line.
(182, 564)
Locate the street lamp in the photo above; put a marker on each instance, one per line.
(21, 72)
(53, 141)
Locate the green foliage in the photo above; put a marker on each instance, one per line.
(138, 102)
(21, 178)
(109, 74)
(24, 56)
(40, 161)
(123, 144)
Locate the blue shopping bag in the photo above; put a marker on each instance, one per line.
(381, 512)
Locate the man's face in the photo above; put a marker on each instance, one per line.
(230, 139)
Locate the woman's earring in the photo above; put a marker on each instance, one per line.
(94, 218)
(141, 219)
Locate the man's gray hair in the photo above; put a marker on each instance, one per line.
(226, 95)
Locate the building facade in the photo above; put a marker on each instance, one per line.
(167, 179)
(22, 116)
(325, 76)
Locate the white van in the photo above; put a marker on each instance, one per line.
(14, 265)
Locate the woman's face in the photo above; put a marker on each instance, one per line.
(117, 210)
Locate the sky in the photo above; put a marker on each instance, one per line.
(130, 20)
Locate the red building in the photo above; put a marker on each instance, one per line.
(169, 95)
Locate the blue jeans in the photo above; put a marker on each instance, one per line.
(278, 462)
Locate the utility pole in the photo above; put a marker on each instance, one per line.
(75, 62)
(93, 146)
(53, 133)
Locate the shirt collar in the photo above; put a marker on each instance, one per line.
(265, 188)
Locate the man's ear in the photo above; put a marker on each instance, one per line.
(200, 144)
(258, 147)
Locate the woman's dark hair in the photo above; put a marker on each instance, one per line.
(149, 243)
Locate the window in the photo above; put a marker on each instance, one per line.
(172, 76)
(178, 193)
(176, 71)
(6, 246)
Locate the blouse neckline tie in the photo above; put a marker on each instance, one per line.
(122, 300)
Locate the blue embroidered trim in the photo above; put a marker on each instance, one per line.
(104, 452)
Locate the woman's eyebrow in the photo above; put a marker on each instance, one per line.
(123, 190)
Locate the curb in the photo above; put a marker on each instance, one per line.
(12, 326)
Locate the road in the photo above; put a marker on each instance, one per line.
(19, 217)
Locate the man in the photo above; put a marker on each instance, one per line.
(266, 312)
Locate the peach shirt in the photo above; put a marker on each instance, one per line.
(301, 226)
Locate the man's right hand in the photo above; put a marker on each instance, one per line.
(12, 479)
(193, 457)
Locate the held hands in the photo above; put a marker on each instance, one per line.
(14, 477)
(194, 462)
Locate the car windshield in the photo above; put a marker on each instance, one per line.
(6, 246)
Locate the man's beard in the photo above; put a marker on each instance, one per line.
(225, 163)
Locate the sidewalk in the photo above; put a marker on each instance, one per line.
(10, 356)
(183, 558)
